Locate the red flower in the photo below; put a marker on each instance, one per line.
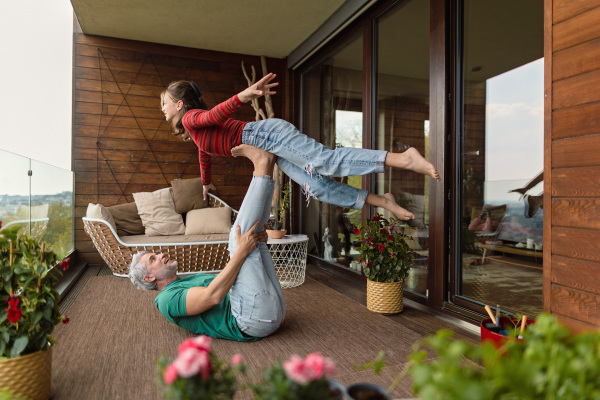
(376, 218)
(0, 224)
(391, 228)
(373, 245)
(356, 231)
(411, 238)
(390, 237)
(369, 240)
(65, 264)
(381, 247)
(14, 313)
(65, 320)
(383, 231)
(360, 260)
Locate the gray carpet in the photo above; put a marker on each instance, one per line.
(115, 334)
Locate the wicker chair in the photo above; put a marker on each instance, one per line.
(207, 254)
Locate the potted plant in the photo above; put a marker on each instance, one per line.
(298, 379)
(386, 259)
(28, 314)
(279, 230)
(197, 373)
(551, 364)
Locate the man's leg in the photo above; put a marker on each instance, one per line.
(256, 298)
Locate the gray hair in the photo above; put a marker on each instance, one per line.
(138, 271)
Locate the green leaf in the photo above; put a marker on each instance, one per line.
(19, 345)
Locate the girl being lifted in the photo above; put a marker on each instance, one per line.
(306, 161)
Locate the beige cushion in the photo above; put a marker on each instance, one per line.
(188, 195)
(208, 220)
(98, 211)
(157, 211)
(127, 219)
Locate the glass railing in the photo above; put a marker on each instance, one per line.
(37, 197)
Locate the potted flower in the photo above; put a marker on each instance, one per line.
(386, 259)
(197, 373)
(298, 378)
(28, 314)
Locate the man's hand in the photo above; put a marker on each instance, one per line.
(260, 88)
(206, 188)
(246, 242)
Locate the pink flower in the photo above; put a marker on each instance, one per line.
(295, 370)
(201, 343)
(170, 374)
(381, 247)
(318, 366)
(236, 359)
(367, 263)
(192, 361)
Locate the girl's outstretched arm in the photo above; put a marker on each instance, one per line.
(260, 88)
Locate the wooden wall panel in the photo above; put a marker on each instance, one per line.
(572, 56)
(121, 143)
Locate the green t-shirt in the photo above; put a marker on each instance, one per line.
(217, 322)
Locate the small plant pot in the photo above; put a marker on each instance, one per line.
(337, 390)
(367, 391)
(273, 234)
(384, 298)
(490, 333)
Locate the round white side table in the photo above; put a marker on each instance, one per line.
(289, 258)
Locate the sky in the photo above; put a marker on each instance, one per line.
(35, 69)
(36, 75)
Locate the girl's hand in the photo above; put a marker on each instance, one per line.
(206, 188)
(260, 88)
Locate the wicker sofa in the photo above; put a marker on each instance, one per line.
(194, 253)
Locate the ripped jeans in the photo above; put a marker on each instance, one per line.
(311, 164)
(257, 302)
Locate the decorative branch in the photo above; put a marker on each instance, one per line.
(260, 114)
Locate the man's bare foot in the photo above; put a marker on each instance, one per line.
(263, 160)
(391, 205)
(412, 160)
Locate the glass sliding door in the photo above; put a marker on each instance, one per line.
(500, 155)
(332, 104)
(402, 119)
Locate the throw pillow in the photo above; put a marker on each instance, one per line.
(188, 195)
(208, 220)
(157, 211)
(98, 211)
(127, 219)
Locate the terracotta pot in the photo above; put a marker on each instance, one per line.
(496, 338)
(367, 391)
(385, 298)
(28, 377)
(273, 234)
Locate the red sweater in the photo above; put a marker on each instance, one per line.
(214, 132)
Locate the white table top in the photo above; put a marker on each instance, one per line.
(288, 239)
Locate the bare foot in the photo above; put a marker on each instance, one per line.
(262, 160)
(414, 161)
(391, 205)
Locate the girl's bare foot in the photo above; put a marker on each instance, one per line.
(263, 160)
(391, 205)
(412, 160)
(388, 202)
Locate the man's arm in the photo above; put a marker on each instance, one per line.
(199, 299)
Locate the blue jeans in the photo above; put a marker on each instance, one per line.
(257, 302)
(311, 164)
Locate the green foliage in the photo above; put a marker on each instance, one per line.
(27, 295)
(551, 364)
(275, 385)
(384, 250)
(59, 233)
(285, 202)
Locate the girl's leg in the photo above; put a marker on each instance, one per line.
(286, 141)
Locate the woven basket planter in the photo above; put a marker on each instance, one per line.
(385, 298)
(28, 377)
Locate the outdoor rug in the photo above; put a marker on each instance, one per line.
(115, 335)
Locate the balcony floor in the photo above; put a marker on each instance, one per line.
(109, 348)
